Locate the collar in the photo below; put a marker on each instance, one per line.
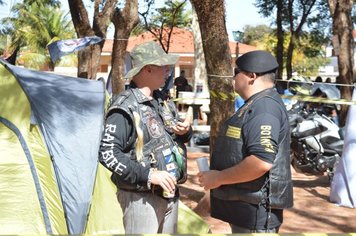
(140, 97)
(261, 93)
(251, 99)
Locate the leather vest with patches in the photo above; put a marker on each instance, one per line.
(156, 140)
(274, 189)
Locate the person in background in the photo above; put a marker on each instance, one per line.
(239, 102)
(318, 79)
(250, 178)
(139, 145)
(327, 90)
(181, 83)
(188, 88)
(189, 116)
(336, 107)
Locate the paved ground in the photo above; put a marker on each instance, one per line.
(312, 211)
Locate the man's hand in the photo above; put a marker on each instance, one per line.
(209, 179)
(248, 169)
(164, 179)
(181, 128)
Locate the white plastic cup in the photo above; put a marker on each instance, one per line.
(202, 164)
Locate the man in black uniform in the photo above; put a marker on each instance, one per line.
(181, 83)
(139, 145)
(250, 176)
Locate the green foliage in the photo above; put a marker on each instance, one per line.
(172, 14)
(139, 29)
(34, 25)
(309, 66)
(3, 45)
(318, 18)
(310, 23)
(308, 54)
(33, 60)
(266, 7)
(255, 34)
(52, 3)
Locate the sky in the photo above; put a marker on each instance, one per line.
(238, 14)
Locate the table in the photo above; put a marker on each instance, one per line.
(195, 103)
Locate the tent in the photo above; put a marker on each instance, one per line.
(50, 179)
(341, 190)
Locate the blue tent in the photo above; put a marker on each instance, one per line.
(50, 179)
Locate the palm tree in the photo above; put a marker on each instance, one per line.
(34, 27)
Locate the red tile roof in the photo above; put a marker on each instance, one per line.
(182, 42)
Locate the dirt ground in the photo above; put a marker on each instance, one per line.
(312, 211)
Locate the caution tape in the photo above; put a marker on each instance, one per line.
(213, 94)
(313, 82)
(232, 97)
(318, 99)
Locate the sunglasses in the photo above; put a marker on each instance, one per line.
(236, 71)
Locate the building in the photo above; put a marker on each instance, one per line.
(181, 43)
(332, 69)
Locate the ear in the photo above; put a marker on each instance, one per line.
(252, 77)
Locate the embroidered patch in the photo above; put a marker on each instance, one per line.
(233, 132)
(154, 128)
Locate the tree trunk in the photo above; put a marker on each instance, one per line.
(124, 20)
(307, 7)
(341, 11)
(13, 57)
(199, 58)
(89, 58)
(211, 17)
(290, 55)
(280, 39)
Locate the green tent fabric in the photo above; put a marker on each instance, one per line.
(50, 179)
(20, 198)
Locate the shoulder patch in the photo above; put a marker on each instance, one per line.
(233, 132)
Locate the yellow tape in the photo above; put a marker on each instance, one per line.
(318, 99)
(304, 98)
(213, 94)
(223, 96)
(193, 98)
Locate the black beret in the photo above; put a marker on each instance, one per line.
(257, 62)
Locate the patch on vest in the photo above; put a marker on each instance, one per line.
(154, 127)
(266, 131)
(233, 132)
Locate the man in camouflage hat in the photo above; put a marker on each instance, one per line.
(250, 176)
(139, 145)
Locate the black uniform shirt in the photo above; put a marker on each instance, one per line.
(262, 133)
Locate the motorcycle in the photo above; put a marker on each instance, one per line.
(316, 141)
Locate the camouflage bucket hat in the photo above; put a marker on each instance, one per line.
(149, 53)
